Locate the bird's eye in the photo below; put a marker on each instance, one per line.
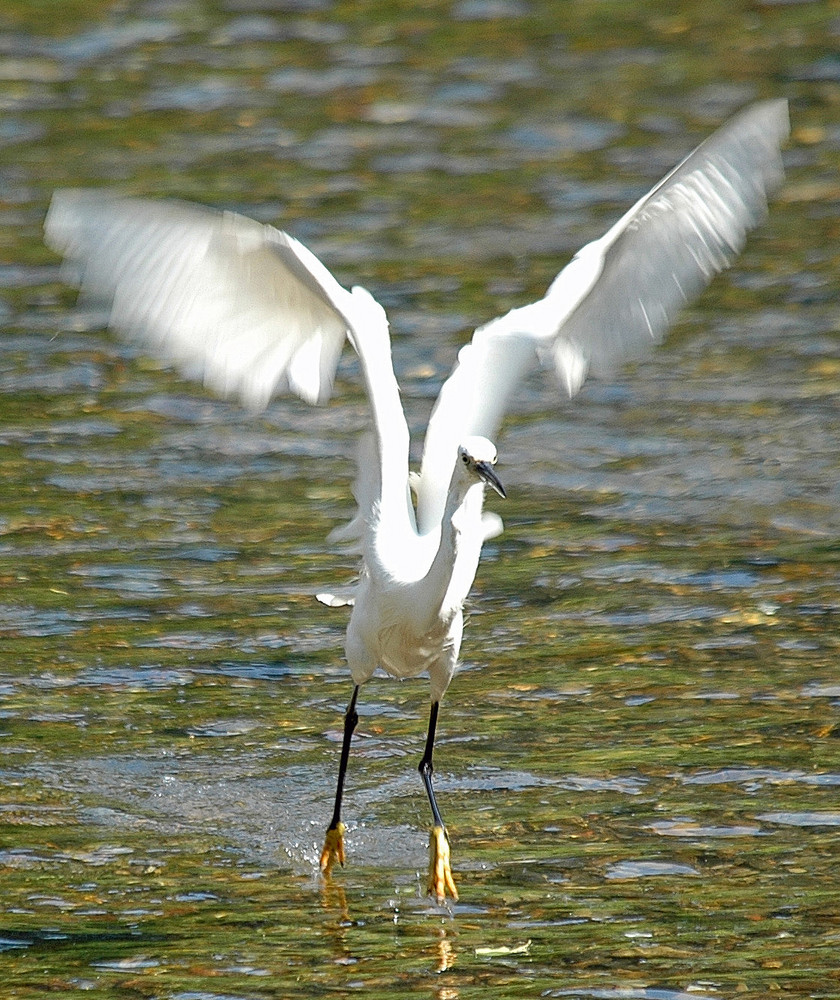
(466, 458)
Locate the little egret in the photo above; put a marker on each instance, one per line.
(253, 312)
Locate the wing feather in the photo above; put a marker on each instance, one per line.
(669, 246)
(242, 305)
(618, 296)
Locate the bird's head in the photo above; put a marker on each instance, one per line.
(477, 456)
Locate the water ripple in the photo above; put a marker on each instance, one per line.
(648, 869)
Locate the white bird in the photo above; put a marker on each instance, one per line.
(251, 311)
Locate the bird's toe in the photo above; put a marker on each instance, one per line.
(333, 850)
(441, 881)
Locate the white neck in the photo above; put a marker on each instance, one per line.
(453, 568)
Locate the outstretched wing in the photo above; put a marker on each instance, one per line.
(617, 297)
(242, 305)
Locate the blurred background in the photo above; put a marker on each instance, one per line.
(639, 760)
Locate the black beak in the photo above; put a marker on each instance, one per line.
(486, 473)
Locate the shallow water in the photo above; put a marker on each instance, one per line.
(639, 760)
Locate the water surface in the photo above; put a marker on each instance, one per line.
(639, 760)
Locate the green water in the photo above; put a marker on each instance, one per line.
(639, 762)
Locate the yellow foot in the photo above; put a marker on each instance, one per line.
(333, 848)
(440, 872)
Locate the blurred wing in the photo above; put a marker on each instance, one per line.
(617, 297)
(241, 305)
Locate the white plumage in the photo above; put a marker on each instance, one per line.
(252, 312)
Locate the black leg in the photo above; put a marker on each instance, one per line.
(426, 769)
(351, 719)
(440, 870)
(334, 843)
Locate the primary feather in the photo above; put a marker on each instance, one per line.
(244, 306)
